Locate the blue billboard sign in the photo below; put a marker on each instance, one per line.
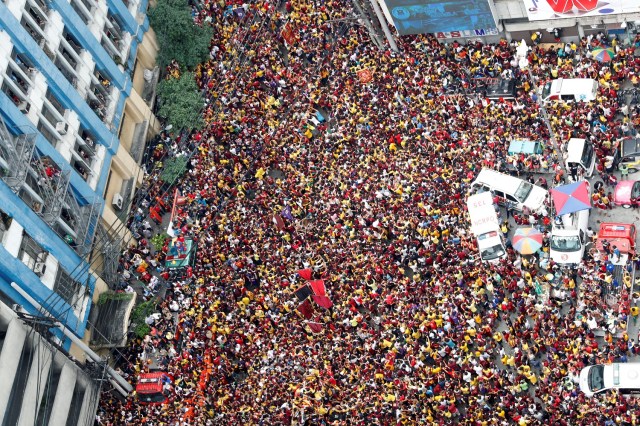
(437, 16)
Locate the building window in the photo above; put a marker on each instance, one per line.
(68, 288)
(5, 223)
(32, 255)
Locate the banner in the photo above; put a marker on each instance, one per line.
(287, 33)
(538, 10)
(365, 75)
(437, 16)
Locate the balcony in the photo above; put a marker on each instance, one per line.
(84, 11)
(71, 42)
(66, 70)
(16, 95)
(32, 28)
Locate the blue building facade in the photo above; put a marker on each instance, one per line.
(66, 72)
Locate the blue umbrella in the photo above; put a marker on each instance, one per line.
(571, 198)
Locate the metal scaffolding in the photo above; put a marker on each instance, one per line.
(110, 250)
(14, 154)
(44, 186)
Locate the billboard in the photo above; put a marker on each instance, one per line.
(538, 10)
(437, 16)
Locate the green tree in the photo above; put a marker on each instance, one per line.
(172, 169)
(180, 102)
(178, 37)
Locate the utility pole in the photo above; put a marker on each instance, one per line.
(384, 26)
(523, 63)
(363, 19)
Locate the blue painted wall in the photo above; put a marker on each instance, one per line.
(58, 84)
(17, 120)
(119, 9)
(77, 27)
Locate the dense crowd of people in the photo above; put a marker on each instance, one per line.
(304, 166)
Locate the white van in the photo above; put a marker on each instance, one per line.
(625, 377)
(580, 154)
(570, 90)
(485, 227)
(569, 238)
(510, 189)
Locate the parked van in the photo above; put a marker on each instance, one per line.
(485, 227)
(580, 155)
(510, 189)
(570, 90)
(625, 377)
(569, 237)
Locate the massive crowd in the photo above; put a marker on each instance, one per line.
(370, 198)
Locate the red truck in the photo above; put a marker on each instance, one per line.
(614, 238)
(154, 388)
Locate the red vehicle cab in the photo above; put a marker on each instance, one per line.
(627, 193)
(621, 235)
(154, 388)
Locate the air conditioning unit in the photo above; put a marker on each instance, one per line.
(61, 127)
(118, 201)
(39, 268)
(23, 107)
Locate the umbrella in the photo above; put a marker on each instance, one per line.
(603, 54)
(527, 240)
(571, 198)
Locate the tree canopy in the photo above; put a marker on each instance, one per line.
(178, 37)
(180, 102)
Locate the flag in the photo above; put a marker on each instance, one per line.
(365, 75)
(305, 273)
(303, 292)
(288, 34)
(318, 287)
(323, 301)
(171, 230)
(278, 222)
(286, 213)
(316, 327)
(306, 309)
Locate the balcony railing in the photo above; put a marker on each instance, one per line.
(16, 95)
(85, 13)
(32, 28)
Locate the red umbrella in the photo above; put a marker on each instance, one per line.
(571, 198)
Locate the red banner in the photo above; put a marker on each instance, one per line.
(365, 75)
(287, 33)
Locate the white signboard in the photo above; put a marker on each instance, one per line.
(538, 10)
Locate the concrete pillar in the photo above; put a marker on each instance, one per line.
(580, 31)
(9, 360)
(64, 394)
(89, 406)
(37, 381)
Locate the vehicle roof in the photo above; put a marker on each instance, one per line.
(630, 146)
(574, 150)
(150, 382)
(628, 377)
(518, 146)
(569, 84)
(617, 234)
(623, 190)
(615, 230)
(493, 176)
